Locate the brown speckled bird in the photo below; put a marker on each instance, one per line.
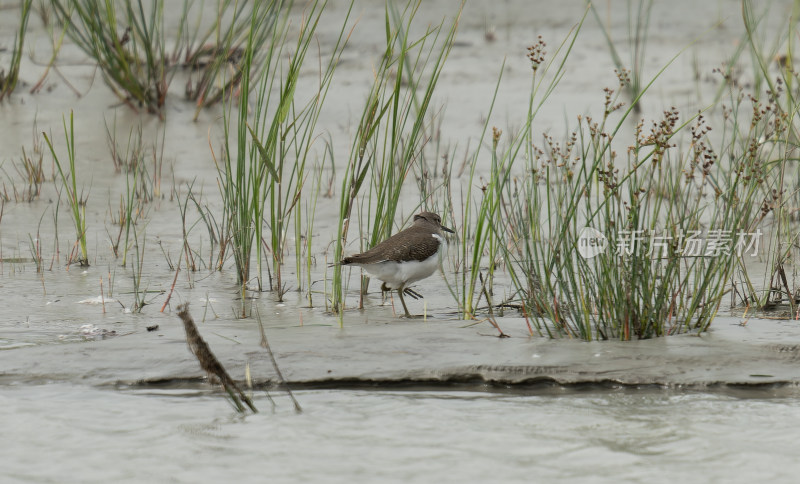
(406, 257)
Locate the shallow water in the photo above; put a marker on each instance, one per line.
(189, 435)
(47, 306)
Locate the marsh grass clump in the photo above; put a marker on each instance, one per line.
(8, 78)
(604, 237)
(215, 58)
(262, 169)
(632, 246)
(284, 138)
(127, 40)
(217, 235)
(761, 126)
(69, 184)
(141, 186)
(483, 229)
(243, 176)
(392, 130)
(408, 79)
(26, 185)
(766, 144)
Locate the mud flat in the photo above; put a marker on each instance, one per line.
(761, 354)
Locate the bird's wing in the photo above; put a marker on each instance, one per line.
(423, 245)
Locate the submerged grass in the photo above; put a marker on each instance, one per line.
(217, 235)
(141, 188)
(639, 245)
(69, 182)
(600, 245)
(764, 125)
(638, 29)
(139, 292)
(216, 56)
(484, 241)
(284, 132)
(391, 132)
(26, 186)
(273, 146)
(602, 235)
(304, 240)
(242, 174)
(8, 79)
(127, 40)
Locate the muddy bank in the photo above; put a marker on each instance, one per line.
(396, 352)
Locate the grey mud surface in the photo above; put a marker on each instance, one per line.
(760, 354)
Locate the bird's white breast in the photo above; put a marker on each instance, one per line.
(396, 274)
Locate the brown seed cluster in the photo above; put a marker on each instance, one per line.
(609, 178)
(624, 76)
(771, 201)
(496, 133)
(559, 156)
(536, 53)
(703, 155)
(660, 134)
(610, 106)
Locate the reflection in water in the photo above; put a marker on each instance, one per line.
(105, 435)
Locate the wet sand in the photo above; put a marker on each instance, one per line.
(438, 354)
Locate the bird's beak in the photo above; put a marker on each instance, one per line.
(448, 230)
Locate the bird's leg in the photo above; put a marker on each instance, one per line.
(400, 293)
(384, 290)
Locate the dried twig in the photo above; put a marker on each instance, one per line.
(209, 362)
(172, 288)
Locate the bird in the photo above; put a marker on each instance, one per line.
(406, 257)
